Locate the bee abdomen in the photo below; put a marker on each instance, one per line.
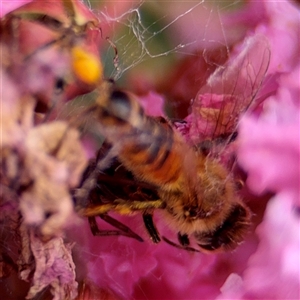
(151, 156)
(145, 145)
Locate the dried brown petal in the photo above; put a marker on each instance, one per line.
(54, 268)
(54, 160)
(25, 261)
(55, 151)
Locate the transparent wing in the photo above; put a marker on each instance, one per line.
(230, 90)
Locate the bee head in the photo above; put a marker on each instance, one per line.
(229, 233)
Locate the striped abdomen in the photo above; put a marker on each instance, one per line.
(147, 146)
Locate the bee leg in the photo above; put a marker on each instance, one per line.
(179, 246)
(124, 230)
(149, 224)
(183, 239)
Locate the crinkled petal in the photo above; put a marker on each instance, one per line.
(54, 267)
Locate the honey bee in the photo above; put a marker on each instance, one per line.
(194, 190)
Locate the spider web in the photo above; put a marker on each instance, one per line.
(142, 39)
(143, 32)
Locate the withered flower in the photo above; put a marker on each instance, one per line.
(42, 158)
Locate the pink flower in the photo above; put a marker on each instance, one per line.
(152, 104)
(268, 140)
(247, 57)
(271, 143)
(273, 270)
(7, 6)
(269, 152)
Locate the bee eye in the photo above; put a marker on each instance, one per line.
(193, 212)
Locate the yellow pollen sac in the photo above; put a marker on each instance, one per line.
(86, 66)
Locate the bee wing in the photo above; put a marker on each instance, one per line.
(230, 90)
